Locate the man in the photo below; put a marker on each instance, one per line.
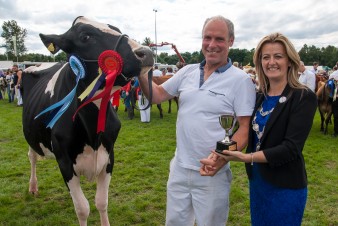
(307, 77)
(17, 81)
(206, 90)
(315, 68)
(157, 72)
(334, 77)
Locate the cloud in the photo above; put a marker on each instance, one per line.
(180, 21)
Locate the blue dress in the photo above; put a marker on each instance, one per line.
(271, 205)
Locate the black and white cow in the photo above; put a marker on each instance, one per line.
(76, 145)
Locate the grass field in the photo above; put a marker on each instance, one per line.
(137, 194)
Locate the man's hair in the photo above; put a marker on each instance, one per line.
(231, 29)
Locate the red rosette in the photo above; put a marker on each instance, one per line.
(110, 62)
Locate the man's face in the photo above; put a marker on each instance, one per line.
(216, 43)
(14, 68)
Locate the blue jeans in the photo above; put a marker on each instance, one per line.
(10, 99)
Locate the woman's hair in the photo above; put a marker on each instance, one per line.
(294, 60)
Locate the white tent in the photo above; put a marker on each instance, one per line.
(4, 65)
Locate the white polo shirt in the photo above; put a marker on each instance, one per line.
(197, 126)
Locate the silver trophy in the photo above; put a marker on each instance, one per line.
(227, 123)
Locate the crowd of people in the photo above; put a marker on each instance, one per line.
(10, 85)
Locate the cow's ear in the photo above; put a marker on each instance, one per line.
(50, 41)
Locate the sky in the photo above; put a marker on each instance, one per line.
(180, 22)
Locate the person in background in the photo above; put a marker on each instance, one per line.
(10, 85)
(307, 77)
(315, 68)
(206, 91)
(142, 103)
(281, 123)
(235, 64)
(17, 83)
(334, 77)
(127, 97)
(163, 71)
(3, 85)
(157, 72)
(169, 71)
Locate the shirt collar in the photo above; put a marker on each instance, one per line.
(220, 69)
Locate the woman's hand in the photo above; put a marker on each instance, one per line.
(237, 156)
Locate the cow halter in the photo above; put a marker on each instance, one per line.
(115, 49)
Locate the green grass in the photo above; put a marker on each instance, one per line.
(137, 194)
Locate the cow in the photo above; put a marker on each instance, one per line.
(78, 146)
(324, 97)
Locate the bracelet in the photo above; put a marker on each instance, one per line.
(252, 158)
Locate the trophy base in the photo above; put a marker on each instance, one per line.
(231, 146)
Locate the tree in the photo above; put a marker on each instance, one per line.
(11, 29)
(147, 41)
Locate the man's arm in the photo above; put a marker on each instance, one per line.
(159, 94)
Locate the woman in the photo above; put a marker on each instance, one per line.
(281, 122)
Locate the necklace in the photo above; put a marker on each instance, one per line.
(265, 113)
(255, 126)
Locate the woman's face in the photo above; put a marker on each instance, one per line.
(275, 62)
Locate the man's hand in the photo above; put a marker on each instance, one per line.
(211, 165)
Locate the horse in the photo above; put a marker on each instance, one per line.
(324, 96)
(159, 80)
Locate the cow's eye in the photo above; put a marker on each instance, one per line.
(85, 38)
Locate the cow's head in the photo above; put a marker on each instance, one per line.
(88, 39)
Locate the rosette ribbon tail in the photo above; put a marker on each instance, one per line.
(64, 104)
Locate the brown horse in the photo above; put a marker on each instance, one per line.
(159, 80)
(324, 104)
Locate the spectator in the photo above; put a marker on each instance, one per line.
(3, 85)
(306, 77)
(157, 72)
(169, 71)
(334, 76)
(17, 83)
(10, 85)
(315, 68)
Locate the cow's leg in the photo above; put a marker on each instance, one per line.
(169, 110)
(79, 200)
(33, 181)
(101, 198)
(160, 109)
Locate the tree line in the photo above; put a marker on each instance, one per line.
(17, 51)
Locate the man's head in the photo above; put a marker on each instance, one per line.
(218, 36)
(301, 67)
(15, 68)
(315, 65)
